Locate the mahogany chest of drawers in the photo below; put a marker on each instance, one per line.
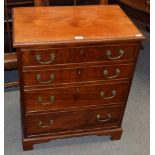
(76, 66)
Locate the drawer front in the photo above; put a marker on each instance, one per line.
(73, 120)
(81, 74)
(72, 97)
(34, 57)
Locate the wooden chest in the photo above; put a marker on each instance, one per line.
(76, 66)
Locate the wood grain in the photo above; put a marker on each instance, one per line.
(10, 61)
(88, 23)
(79, 74)
(75, 97)
(114, 132)
(73, 120)
(83, 54)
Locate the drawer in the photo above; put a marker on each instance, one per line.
(81, 74)
(34, 57)
(103, 117)
(73, 97)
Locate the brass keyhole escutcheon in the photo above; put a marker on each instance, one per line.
(79, 71)
(77, 90)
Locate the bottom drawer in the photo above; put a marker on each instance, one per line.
(101, 117)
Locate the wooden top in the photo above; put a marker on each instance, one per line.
(65, 24)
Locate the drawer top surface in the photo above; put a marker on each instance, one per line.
(71, 24)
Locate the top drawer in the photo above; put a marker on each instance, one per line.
(34, 57)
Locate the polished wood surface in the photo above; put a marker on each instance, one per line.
(75, 97)
(115, 134)
(10, 61)
(74, 120)
(11, 84)
(70, 2)
(141, 5)
(47, 25)
(83, 54)
(75, 87)
(8, 49)
(103, 2)
(39, 2)
(70, 75)
(138, 10)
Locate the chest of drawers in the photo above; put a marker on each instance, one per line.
(76, 66)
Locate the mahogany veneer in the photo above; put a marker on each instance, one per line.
(75, 96)
(83, 54)
(75, 69)
(79, 74)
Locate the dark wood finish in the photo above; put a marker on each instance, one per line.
(140, 14)
(83, 54)
(39, 2)
(28, 142)
(136, 4)
(19, 2)
(103, 2)
(11, 84)
(136, 9)
(73, 120)
(70, 75)
(81, 91)
(117, 135)
(71, 2)
(75, 97)
(10, 61)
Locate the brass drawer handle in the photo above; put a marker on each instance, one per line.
(38, 58)
(40, 124)
(45, 82)
(105, 73)
(103, 120)
(102, 94)
(109, 53)
(40, 100)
